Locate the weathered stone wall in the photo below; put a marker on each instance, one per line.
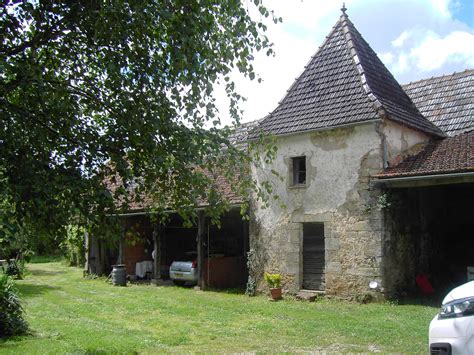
(403, 237)
(337, 193)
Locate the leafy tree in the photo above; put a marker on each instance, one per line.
(97, 90)
(73, 245)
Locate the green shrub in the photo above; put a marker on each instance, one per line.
(15, 269)
(251, 287)
(273, 280)
(11, 312)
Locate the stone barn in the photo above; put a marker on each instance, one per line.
(375, 185)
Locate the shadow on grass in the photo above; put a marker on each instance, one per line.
(28, 290)
(431, 302)
(230, 291)
(45, 272)
(93, 352)
(420, 300)
(41, 259)
(11, 342)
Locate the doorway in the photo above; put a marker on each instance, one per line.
(313, 256)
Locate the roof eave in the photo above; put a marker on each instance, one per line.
(435, 132)
(424, 180)
(375, 120)
(145, 212)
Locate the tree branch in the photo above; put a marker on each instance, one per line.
(39, 39)
(36, 119)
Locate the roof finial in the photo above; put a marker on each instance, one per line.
(343, 8)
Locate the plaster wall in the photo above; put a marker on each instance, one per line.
(337, 193)
(401, 141)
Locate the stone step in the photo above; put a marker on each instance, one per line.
(309, 295)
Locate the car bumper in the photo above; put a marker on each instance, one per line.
(455, 333)
(183, 276)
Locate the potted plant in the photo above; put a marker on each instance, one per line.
(274, 282)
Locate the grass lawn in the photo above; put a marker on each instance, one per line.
(70, 314)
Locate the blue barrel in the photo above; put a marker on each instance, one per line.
(119, 275)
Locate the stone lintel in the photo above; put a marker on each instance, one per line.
(312, 218)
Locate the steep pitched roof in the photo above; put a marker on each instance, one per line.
(447, 101)
(449, 155)
(343, 83)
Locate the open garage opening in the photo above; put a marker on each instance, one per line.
(225, 248)
(429, 235)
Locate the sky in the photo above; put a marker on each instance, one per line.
(415, 39)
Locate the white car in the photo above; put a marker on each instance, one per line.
(452, 329)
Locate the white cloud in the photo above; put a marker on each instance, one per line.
(420, 50)
(309, 14)
(434, 51)
(401, 65)
(398, 42)
(386, 57)
(442, 7)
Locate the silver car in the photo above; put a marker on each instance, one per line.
(185, 271)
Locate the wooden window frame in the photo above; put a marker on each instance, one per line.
(299, 172)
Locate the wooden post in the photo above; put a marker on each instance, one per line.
(200, 249)
(94, 266)
(86, 252)
(102, 263)
(121, 241)
(157, 252)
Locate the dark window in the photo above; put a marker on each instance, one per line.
(299, 171)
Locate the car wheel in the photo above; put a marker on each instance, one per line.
(179, 282)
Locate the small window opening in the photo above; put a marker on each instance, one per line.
(299, 170)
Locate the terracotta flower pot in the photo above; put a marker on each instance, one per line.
(276, 293)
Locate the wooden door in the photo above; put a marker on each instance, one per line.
(313, 256)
